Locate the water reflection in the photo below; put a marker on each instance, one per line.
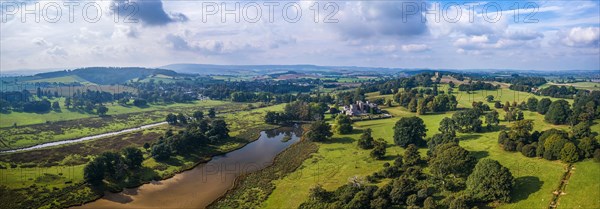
(200, 186)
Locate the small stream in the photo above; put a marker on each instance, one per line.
(202, 185)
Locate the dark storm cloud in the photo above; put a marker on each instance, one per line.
(394, 18)
(149, 12)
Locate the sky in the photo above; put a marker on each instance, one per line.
(535, 35)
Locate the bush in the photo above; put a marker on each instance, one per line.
(528, 150)
(569, 154)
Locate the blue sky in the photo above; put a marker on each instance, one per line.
(547, 35)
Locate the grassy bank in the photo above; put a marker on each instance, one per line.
(251, 190)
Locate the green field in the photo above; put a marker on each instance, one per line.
(23, 118)
(583, 188)
(63, 79)
(71, 125)
(580, 85)
(340, 159)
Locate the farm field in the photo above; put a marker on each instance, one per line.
(580, 85)
(23, 118)
(339, 159)
(87, 125)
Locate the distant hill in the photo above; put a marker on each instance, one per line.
(105, 75)
(207, 69)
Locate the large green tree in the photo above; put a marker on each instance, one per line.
(319, 131)
(490, 181)
(93, 172)
(409, 130)
(553, 145)
(133, 157)
(366, 140)
(532, 104)
(451, 159)
(569, 154)
(342, 124)
(558, 112)
(543, 105)
(448, 126)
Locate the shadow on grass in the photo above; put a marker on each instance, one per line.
(480, 154)
(342, 140)
(469, 137)
(525, 186)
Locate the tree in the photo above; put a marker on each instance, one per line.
(558, 112)
(409, 130)
(181, 118)
(429, 203)
(212, 113)
(553, 145)
(319, 131)
(532, 104)
(133, 157)
(68, 102)
(55, 106)
(448, 126)
(93, 172)
(342, 124)
(198, 115)
(497, 104)
(452, 159)
(171, 119)
(569, 154)
(140, 102)
(412, 105)
(490, 181)
(366, 140)
(411, 155)
(492, 118)
(543, 106)
(467, 120)
(218, 129)
(317, 193)
(102, 110)
(489, 98)
(587, 146)
(379, 151)
(161, 151)
(581, 130)
(421, 107)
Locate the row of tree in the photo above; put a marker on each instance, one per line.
(422, 103)
(551, 144)
(297, 111)
(113, 166)
(197, 133)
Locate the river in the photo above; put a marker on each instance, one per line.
(200, 186)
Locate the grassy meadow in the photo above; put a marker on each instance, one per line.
(340, 159)
(120, 118)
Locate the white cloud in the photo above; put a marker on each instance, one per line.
(581, 37)
(415, 47)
